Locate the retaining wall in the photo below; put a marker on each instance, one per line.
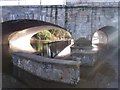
(58, 70)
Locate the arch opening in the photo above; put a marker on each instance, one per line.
(51, 42)
(99, 38)
(105, 36)
(20, 41)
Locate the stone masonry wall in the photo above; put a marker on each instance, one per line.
(87, 55)
(49, 69)
(81, 20)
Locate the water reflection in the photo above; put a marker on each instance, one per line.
(98, 76)
(103, 74)
(49, 49)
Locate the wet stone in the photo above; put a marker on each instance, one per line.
(86, 56)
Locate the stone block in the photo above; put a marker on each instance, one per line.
(85, 55)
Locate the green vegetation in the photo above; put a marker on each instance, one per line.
(82, 42)
(60, 34)
(53, 34)
(44, 35)
(38, 45)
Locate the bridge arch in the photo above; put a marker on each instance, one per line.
(106, 35)
(17, 33)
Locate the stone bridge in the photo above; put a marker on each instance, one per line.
(81, 20)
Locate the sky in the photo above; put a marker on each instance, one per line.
(32, 2)
(46, 2)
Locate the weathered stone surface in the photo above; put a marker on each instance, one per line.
(85, 55)
(81, 20)
(50, 69)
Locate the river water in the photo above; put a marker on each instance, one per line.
(104, 74)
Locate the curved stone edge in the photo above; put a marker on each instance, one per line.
(65, 71)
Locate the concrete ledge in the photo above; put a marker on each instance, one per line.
(58, 70)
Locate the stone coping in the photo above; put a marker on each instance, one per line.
(40, 59)
(81, 47)
(84, 50)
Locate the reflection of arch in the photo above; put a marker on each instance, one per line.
(106, 35)
(19, 32)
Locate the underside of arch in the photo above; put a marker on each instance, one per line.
(20, 41)
(17, 33)
(106, 35)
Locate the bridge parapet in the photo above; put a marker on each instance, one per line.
(93, 4)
